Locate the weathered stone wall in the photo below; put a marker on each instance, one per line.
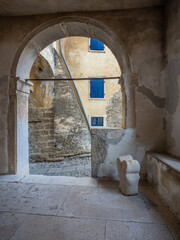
(57, 130)
(163, 173)
(108, 144)
(172, 72)
(114, 111)
(136, 39)
(41, 93)
(71, 133)
(42, 144)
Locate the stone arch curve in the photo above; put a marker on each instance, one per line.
(29, 49)
(49, 32)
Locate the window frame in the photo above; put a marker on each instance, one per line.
(104, 120)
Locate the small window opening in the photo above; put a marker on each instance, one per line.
(97, 121)
(96, 45)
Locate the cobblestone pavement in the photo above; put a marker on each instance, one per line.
(76, 167)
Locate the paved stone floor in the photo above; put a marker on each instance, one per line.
(68, 208)
(76, 167)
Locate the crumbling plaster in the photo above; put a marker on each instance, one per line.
(173, 78)
(135, 38)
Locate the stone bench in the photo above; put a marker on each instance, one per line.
(163, 172)
(128, 170)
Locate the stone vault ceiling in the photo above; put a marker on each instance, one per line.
(34, 7)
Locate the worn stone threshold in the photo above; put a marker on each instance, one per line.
(59, 180)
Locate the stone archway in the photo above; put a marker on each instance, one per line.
(37, 40)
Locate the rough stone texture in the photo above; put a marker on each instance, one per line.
(80, 211)
(76, 167)
(163, 172)
(114, 111)
(42, 144)
(71, 133)
(41, 93)
(128, 170)
(60, 130)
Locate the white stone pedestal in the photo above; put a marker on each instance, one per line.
(128, 170)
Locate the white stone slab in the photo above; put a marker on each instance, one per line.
(9, 223)
(60, 180)
(104, 203)
(11, 178)
(57, 228)
(32, 198)
(133, 231)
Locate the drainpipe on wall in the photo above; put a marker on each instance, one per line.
(72, 83)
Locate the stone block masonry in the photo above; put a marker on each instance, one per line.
(114, 111)
(43, 144)
(41, 135)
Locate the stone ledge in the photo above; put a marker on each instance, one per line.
(163, 172)
(170, 161)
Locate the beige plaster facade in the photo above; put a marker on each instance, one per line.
(86, 63)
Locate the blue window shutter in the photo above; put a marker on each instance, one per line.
(96, 45)
(101, 88)
(100, 121)
(93, 89)
(97, 88)
(93, 121)
(96, 121)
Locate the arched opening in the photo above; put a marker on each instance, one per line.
(26, 55)
(59, 138)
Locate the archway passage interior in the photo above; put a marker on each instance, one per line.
(59, 128)
(145, 42)
(24, 59)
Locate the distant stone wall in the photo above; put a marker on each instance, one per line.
(114, 111)
(46, 144)
(42, 144)
(57, 130)
(71, 133)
